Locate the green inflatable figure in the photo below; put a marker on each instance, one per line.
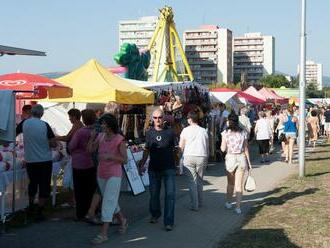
(136, 63)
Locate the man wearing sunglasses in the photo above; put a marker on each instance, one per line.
(160, 146)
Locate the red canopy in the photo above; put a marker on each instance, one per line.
(40, 87)
(241, 94)
(270, 94)
(251, 99)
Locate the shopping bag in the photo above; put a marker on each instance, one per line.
(250, 183)
(67, 176)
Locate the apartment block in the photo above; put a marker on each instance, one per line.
(209, 53)
(138, 32)
(314, 73)
(254, 57)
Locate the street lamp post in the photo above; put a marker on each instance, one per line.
(302, 93)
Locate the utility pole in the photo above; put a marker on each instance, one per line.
(302, 93)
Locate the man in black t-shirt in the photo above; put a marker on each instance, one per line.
(160, 146)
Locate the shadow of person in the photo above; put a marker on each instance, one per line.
(258, 238)
(280, 200)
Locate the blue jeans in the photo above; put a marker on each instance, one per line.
(155, 178)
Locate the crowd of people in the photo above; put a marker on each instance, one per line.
(98, 150)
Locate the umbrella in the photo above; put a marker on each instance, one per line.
(37, 87)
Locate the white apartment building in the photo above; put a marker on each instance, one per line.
(314, 73)
(209, 53)
(138, 32)
(254, 57)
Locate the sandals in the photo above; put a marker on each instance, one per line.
(93, 220)
(99, 239)
(123, 227)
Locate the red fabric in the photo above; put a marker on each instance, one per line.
(27, 82)
(270, 94)
(250, 98)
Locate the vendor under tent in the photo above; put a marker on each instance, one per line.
(13, 177)
(93, 83)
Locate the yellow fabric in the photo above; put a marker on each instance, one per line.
(92, 83)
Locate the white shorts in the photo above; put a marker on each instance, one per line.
(234, 161)
(327, 126)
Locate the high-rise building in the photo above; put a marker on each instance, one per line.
(254, 57)
(138, 32)
(209, 53)
(314, 74)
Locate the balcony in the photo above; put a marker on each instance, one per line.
(202, 62)
(196, 36)
(248, 43)
(199, 49)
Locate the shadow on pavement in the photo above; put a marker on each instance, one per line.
(317, 159)
(318, 174)
(259, 238)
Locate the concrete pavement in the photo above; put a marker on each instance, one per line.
(204, 228)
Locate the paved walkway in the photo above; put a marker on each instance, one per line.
(192, 229)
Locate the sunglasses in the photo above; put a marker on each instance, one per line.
(157, 117)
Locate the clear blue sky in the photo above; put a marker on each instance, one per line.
(72, 31)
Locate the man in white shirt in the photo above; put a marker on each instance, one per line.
(194, 143)
(244, 121)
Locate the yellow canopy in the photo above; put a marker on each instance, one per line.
(92, 83)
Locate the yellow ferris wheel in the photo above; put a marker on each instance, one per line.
(167, 55)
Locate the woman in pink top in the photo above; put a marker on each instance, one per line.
(235, 143)
(112, 155)
(83, 169)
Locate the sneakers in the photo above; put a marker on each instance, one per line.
(238, 211)
(168, 228)
(228, 205)
(153, 220)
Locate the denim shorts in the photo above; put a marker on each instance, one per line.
(292, 135)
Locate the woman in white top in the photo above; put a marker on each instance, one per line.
(271, 120)
(263, 134)
(235, 143)
(194, 143)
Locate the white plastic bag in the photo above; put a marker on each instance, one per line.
(250, 184)
(67, 177)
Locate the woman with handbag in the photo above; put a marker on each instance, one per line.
(235, 143)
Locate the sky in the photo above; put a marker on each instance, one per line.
(73, 31)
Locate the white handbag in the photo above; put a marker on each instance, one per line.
(250, 183)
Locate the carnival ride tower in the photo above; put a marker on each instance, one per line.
(167, 54)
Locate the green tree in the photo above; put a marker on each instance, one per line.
(313, 92)
(294, 82)
(275, 81)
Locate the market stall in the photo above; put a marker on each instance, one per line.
(93, 83)
(12, 173)
(272, 96)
